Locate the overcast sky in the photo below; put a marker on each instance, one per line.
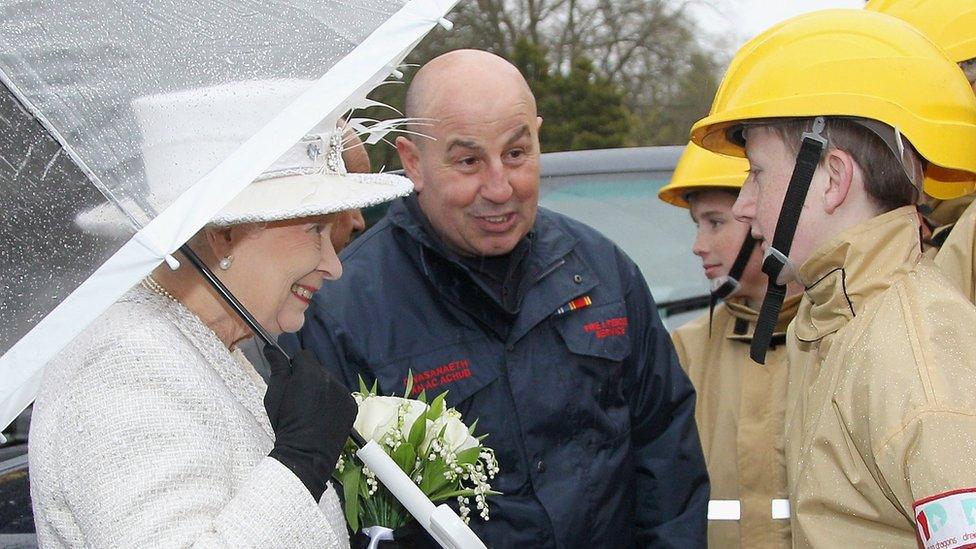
(740, 20)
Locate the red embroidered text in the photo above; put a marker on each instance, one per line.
(607, 328)
(441, 375)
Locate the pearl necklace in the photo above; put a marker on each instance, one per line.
(150, 284)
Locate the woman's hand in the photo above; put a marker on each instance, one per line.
(311, 413)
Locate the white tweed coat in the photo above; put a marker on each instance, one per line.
(148, 432)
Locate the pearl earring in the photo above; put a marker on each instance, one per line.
(224, 263)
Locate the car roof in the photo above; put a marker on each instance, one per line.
(625, 160)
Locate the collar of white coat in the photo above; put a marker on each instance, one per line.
(739, 311)
(858, 264)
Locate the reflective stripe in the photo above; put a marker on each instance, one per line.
(781, 509)
(723, 509)
(730, 509)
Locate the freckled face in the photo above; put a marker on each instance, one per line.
(760, 201)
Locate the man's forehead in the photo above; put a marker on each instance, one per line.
(480, 109)
(457, 126)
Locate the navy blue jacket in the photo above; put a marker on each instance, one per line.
(589, 413)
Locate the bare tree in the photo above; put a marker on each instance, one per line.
(651, 50)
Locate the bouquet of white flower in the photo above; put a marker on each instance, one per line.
(430, 443)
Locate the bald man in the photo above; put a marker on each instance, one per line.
(533, 323)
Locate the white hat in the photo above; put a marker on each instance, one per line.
(185, 134)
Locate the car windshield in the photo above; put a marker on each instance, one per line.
(625, 208)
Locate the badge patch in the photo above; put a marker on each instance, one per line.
(607, 328)
(947, 520)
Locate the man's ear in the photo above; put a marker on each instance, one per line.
(538, 123)
(409, 153)
(840, 172)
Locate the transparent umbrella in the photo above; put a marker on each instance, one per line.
(70, 71)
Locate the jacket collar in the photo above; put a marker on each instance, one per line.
(551, 243)
(859, 264)
(233, 368)
(744, 318)
(550, 253)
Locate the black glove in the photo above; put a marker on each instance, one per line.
(311, 413)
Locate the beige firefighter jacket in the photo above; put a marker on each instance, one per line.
(956, 257)
(881, 410)
(740, 413)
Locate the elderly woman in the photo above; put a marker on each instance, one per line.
(153, 429)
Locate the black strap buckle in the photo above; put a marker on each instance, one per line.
(724, 286)
(778, 267)
(816, 132)
(776, 263)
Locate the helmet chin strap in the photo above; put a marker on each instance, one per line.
(724, 286)
(776, 264)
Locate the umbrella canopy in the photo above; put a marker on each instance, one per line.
(71, 71)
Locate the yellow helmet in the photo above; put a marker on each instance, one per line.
(699, 169)
(853, 63)
(949, 23)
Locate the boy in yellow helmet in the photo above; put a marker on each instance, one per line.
(740, 407)
(842, 114)
(951, 24)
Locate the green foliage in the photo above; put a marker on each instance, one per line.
(350, 479)
(580, 109)
(605, 74)
(405, 456)
(437, 406)
(469, 456)
(676, 102)
(418, 431)
(423, 452)
(409, 389)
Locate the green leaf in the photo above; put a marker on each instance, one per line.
(406, 394)
(373, 390)
(469, 456)
(466, 492)
(351, 479)
(434, 479)
(450, 494)
(405, 457)
(422, 397)
(473, 425)
(437, 406)
(362, 386)
(418, 431)
(433, 473)
(438, 483)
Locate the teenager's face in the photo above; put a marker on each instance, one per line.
(760, 201)
(720, 237)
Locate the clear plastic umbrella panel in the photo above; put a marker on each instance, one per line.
(70, 72)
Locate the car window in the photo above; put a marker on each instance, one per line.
(16, 515)
(625, 208)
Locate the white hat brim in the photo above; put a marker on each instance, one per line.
(275, 199)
